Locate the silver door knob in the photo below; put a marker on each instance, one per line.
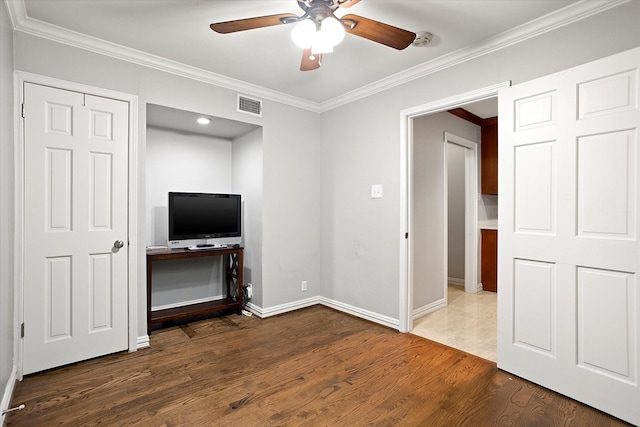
(118, 244)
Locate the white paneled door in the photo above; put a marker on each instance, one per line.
(569, 255)
(75, 227)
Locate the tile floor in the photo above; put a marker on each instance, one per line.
(468, 323)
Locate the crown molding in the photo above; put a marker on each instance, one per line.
(23, 23)
(565, 16)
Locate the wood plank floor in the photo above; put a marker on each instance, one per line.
(311, 367)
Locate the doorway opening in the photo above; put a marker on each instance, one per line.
(113, 322)
(461, 211)
(409, 292)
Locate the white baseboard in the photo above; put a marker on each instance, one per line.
(183, 303)
(8, 393)
(254, 309)
(455, 281)
(345, 308)
(363, 314)
(143, 342)
(284, 308)
(460, 282)
(429, 308)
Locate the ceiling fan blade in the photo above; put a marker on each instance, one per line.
(379, 32)
(347, 3)
(309, 64)
(249, 23)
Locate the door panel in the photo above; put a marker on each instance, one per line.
(606, 179)
(608, 351)
(75, 204)
(534, 303)
(568, 248)
(535, 186)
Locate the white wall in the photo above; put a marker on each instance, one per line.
(291, 167)
(179, 161)
(428, 231)
(456, 210)
(6, 202)
(247, 180)
(361, 146)
(319, 223)
(488, 211)
(291, 205)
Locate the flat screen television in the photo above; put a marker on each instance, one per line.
(204, 216)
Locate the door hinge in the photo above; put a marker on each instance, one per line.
(406, 235)
(22, 330)
(22, 112)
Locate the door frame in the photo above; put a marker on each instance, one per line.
(20, 78)
(405, 321)
(470, 211)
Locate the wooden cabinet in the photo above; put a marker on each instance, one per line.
(233, 262)
(489, 156)
(489, 262)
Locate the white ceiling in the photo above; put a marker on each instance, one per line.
(266, 59)
(161, 117)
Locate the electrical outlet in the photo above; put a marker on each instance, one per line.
(304, 285)
(249, 290)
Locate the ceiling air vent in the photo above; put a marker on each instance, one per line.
(249, 105)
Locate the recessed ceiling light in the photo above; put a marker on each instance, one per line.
(204, 120)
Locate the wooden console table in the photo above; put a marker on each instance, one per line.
(232, 261)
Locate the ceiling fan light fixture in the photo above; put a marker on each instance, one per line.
(332, 31)
(320, 45)
(303, 33)
(322, 37)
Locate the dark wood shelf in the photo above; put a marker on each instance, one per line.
(192, 310)
(232, 259)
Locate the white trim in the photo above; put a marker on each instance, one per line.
(133, 222)
(429, 308)
(8, 393)
(565, 16)
(336, 305)
(18, 235)
(254, 309)
(183, 303)
(455, 281)
(291, 306)
(406, 136)
(361, 313)
(143, 342)
(471, 210)
(20, 78)
(35, 27)
(405, 294)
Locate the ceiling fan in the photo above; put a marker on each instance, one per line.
(318, 30)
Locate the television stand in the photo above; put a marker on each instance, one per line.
(232, 261)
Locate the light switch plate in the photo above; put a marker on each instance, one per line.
(376, 191)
